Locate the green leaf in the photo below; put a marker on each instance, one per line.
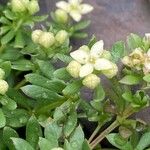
(6, 66)
(80, 35)
(19, 40)
(16, 118)
(8, 103)
(73, 88)
(147, 78)
(22, 65)
(63, 58)
(40, 18)
(39, 93)
(33, 131)
(131, 80)
(8, 37)
(62, 74)
(52, 132)
(86, 145)
(9, 14)
(4, 29)
(117, 50)
(70, 124)
(144, 141)
(111, 138)
(127, 96)
(53, 85)
(46, 68)
(4, 20)
(2, 119)
(77, 139)
(92, 41)
(81, 25)
(7, 134)
(44, 144)
(21, 144)
(134, 41)
(99, 93)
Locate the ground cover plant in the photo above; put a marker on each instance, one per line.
(41, 104)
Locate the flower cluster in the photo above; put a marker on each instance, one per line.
(74, 8)
(3, 83)
(25, 5)
(139, 59)
(87, 61)
(48, 39)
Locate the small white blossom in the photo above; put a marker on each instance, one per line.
(3, 87)
(91, 81)
(75, 8)
(91, 59)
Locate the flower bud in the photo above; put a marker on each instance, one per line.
(2, 73)
(36, 35)
(74, 68)
(57, 148)
(19, 5)
(33, 7)
(126, 61)
(3, 87)
(91, 81)
(61, 16)
(61, 36)
(111, 72)
(47, 39)
(106, 54)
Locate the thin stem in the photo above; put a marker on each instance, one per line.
(20, 84)
(129, 111)
(104, 133)
(94, 133)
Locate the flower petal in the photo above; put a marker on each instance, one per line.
(86, 8)
(75, 15)
(97, 49)
(80, 56)
(86, 70)
(63, 5)
(103, 64)
(74, 1)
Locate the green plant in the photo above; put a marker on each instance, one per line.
(41, 104)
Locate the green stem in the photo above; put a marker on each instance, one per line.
(20, 84)
(129, 111)
(94, 133)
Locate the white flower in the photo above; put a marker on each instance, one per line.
(3, 87)
(75, 8)
(91, 81)
(91, 59)
(146, 68)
